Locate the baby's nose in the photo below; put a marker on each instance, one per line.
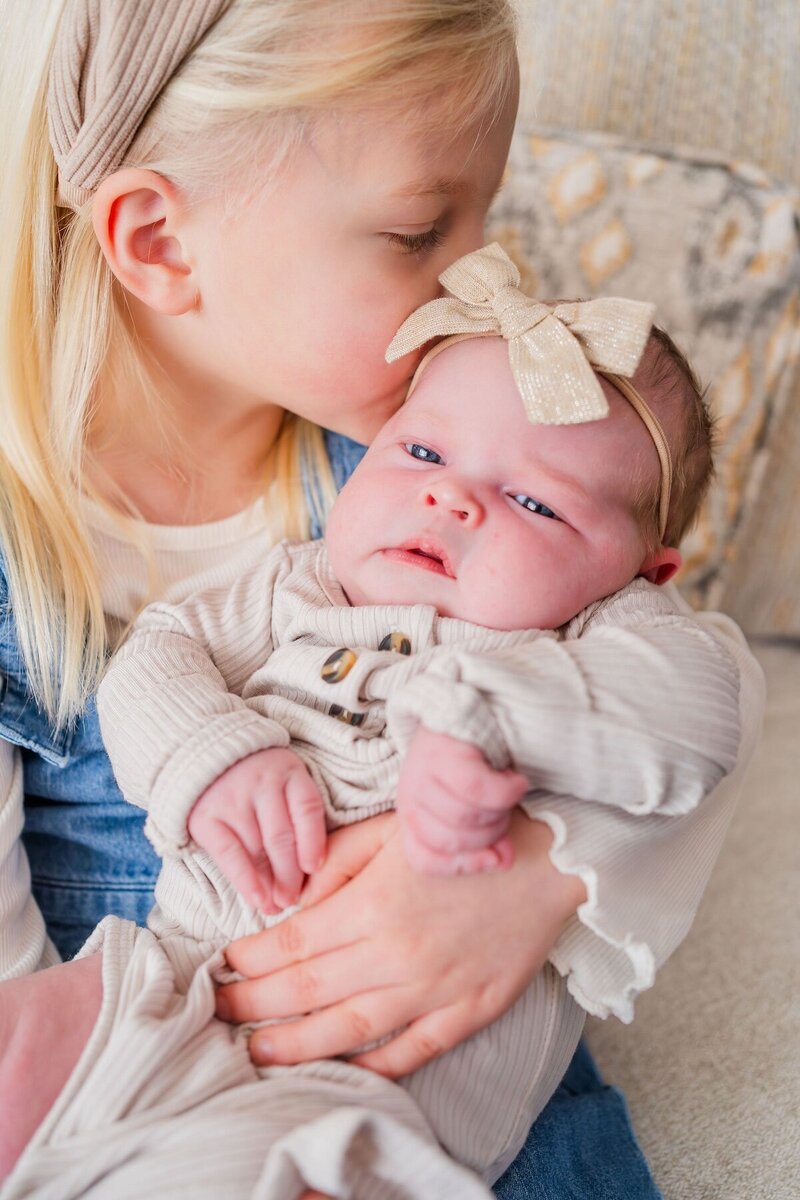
(456, 499)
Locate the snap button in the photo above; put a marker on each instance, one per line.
(343, 714)
(399, 642)
(337, 665)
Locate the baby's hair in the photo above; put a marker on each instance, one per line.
(671, 381)
(248, 93)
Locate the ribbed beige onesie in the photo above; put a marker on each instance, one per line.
(582, 711)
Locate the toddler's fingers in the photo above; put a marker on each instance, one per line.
(307, 813)
(249, 874)
(279, 844)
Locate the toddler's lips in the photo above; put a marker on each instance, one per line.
(422, 552)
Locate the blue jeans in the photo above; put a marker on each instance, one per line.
(582, 1146)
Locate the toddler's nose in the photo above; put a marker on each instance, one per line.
(455, 499)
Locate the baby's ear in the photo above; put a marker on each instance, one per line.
(660, 565)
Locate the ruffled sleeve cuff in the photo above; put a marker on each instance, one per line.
(644, 877)
(605, 969)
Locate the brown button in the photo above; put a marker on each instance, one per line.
(349, 718)
(399, 642)
(337, 665)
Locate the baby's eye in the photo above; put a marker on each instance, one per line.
(417, 243)
(422, 453)
(534, 506)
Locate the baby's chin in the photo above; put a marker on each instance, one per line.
(385, 596)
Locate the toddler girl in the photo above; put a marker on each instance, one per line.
(194, 194)
(462, 515)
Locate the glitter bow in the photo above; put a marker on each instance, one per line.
(552, 351)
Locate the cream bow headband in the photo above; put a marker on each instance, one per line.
(554, 352)
(111, 59)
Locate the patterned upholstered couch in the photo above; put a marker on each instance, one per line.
(657, 155)
(655, 159)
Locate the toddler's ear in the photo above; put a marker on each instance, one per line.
(661, 565)
(136, 216)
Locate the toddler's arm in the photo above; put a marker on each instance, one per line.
(24, 945)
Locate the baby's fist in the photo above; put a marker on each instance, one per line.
(263, 823)
(454, 807)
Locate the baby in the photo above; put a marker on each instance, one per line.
(488, 580)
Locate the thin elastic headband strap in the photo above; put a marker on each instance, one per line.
(111, 60)
(656, 431)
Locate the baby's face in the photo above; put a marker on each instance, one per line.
(463, 504)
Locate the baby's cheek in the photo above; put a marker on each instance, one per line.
(505, 593)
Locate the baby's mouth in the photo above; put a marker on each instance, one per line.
(424, 553)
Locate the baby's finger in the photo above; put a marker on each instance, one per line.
(478, 786)
(502, 790)
(452, 811)
(428, 862)
(444, 838)
(279, 843)
(249, 874)
(307, 814)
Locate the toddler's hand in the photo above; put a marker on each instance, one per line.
(454, 808)
(263, 823)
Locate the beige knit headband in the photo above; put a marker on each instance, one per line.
(111, 60)
(555, 352)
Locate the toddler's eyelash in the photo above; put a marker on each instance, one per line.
(416, 243)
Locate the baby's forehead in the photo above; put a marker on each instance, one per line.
(470, 385)
(473, 373)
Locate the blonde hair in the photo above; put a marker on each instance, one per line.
(253, 84)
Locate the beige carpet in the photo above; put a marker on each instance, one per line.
(711, 1065)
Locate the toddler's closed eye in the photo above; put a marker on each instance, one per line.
(417, 243)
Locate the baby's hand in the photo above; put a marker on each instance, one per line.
(263, 823)
(454, 808)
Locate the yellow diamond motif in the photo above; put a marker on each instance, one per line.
(778, 240)
(732, 392)
(782, 344)
(642, 168)
(576, 187)
(606, 253)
